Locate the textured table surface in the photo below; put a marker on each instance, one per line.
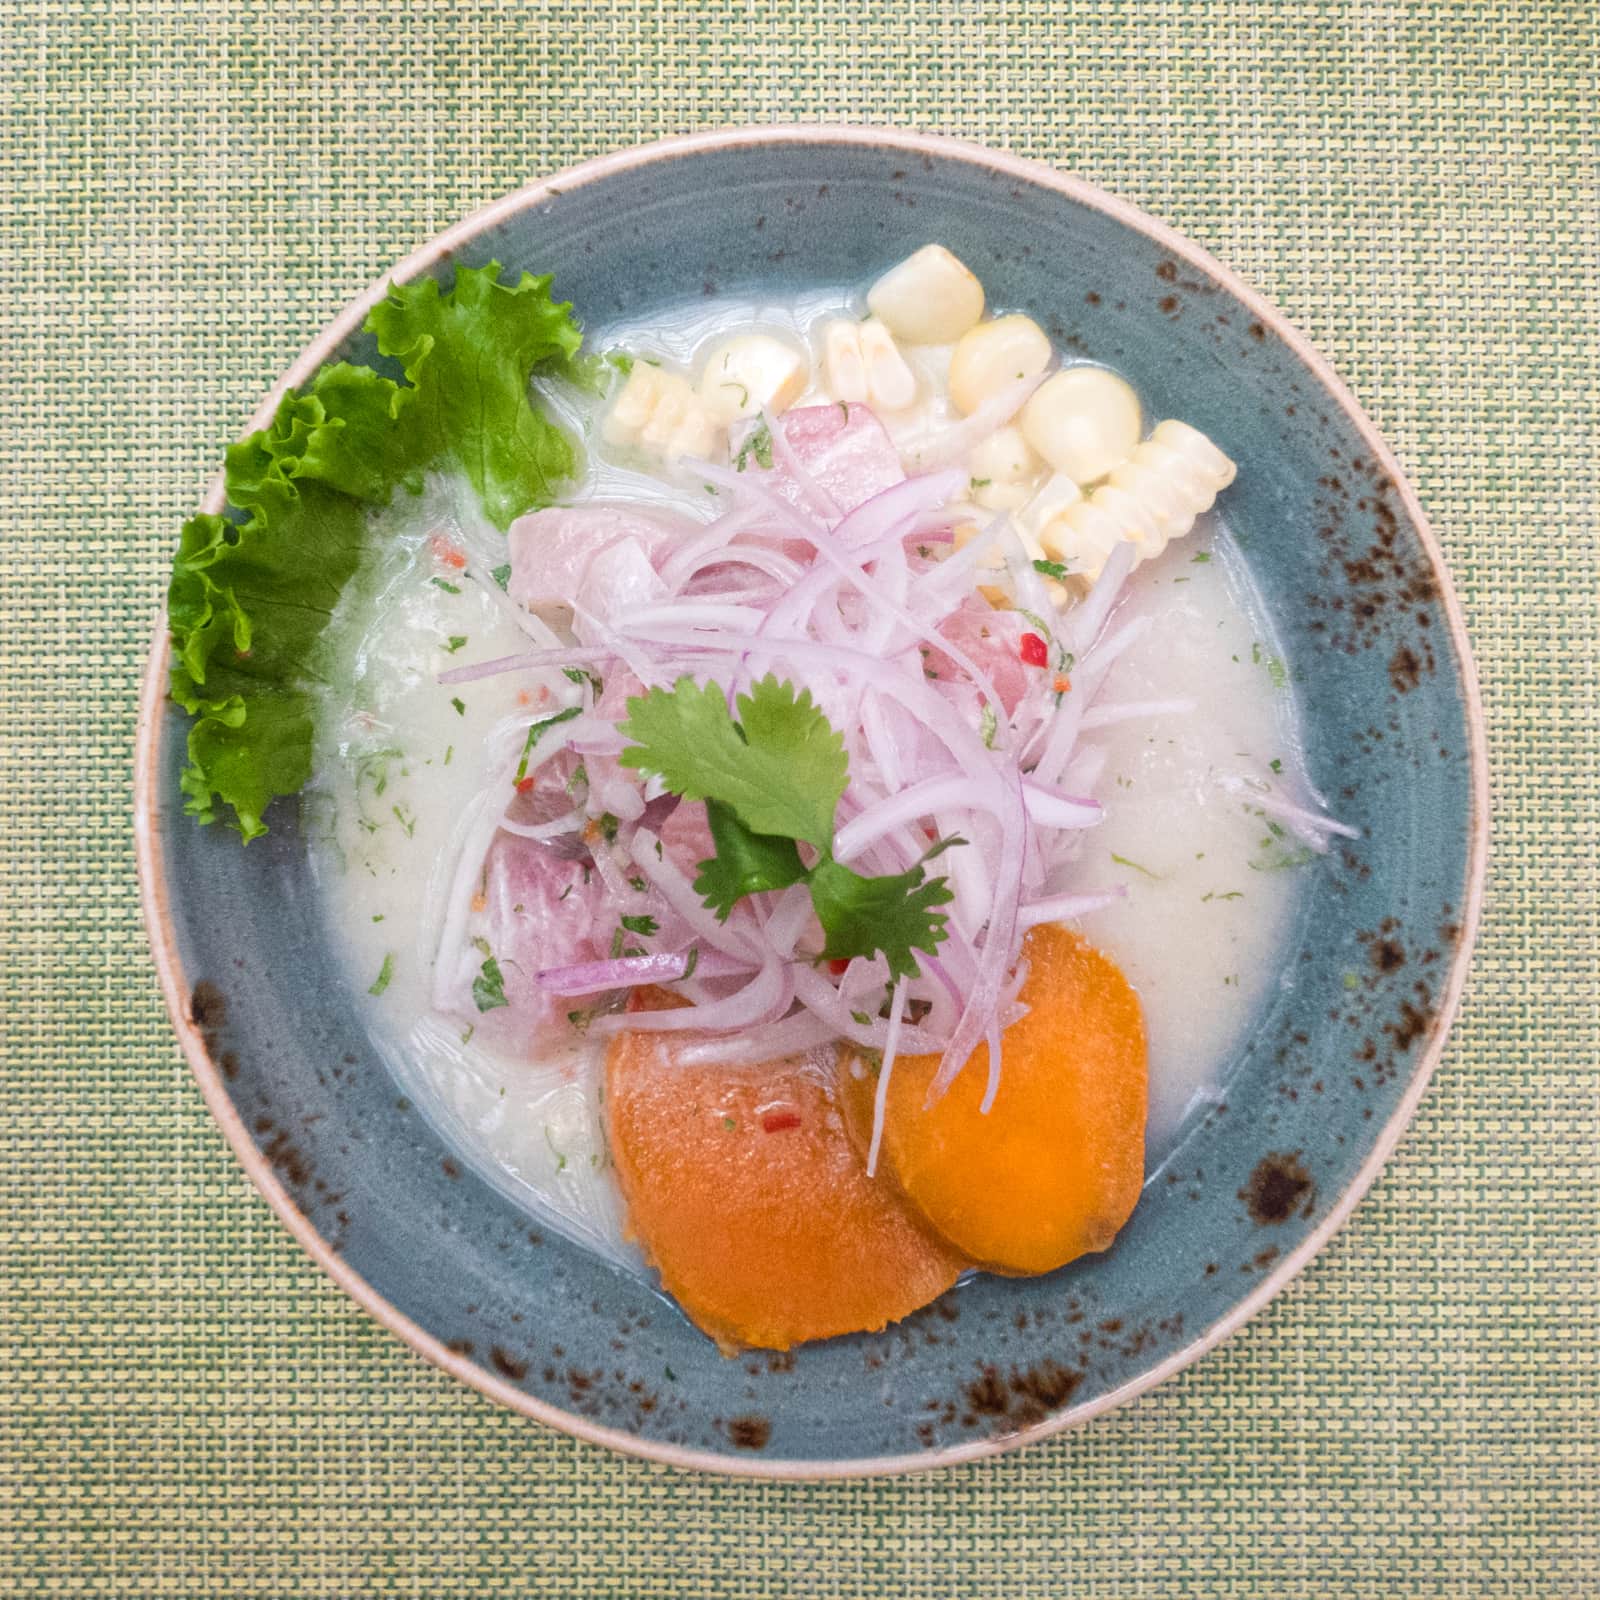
(186, 1406)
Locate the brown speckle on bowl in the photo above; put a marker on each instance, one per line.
(750, 1432)
(1278, 1189)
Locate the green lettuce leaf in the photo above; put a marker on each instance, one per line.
(470, 354)
(252, 592)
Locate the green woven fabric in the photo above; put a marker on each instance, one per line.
(186, 1406)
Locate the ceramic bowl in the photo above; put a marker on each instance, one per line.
(1332, 1068)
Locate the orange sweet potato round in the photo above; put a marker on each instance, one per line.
(747, 1192)
(1055, 1168)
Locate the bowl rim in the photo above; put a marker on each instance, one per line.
(148, 804)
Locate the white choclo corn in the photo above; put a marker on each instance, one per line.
(930, 298)
(1081, 538)
(1193, 446)
(994, 354)
(1133, 516)
(1058, 492)
(658, 411)
(861, 362)
(1150, 499)
(753, 370)
(891, 384)
(843, 369)
(1083, 421)
(1003, 468)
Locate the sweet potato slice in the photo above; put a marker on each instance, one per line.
(1055, 1168)
(747, 1192)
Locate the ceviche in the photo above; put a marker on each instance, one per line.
(802, 790)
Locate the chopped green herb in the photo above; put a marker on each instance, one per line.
(621, 360)
(409, 823)
(1276, 765)
(378, 917)
(989, 726)
(1232, 894)
(637, 884)
(537, 731)
(862, 1018)
(456, 642)
(759, 444)
(743, 388)
(1051, 569)
(502, 575)
(1123, 861)
(561, 1160)
(385, 973)
(449, 588)
(616, 943)
(644, 926)
(608, 825)
(449, 750)
(729, 1124)
(579, 779)
(580, 1020)
(981, 483)
(489, 987)
(1280, 858)
(691, 963)
(1201, 558)
(472, 1028)
(459, 704)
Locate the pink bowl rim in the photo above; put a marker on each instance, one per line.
(175, 989)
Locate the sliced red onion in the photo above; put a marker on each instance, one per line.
(772, 1041)
(1310, 827)
(1066, 907)
(951, 443)
(566, 656)
(1052, 809)
(629, 972)
(764, 998)
(1090, 617)
(880, 1097)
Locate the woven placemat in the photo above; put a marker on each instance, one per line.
(187, 1407)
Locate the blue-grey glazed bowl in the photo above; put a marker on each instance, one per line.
(1333, 1066)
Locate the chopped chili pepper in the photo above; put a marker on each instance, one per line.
(1063, 683)
(1033, 650)
(839, 965)
(524, 785)
(780, 1121)
(448, 554)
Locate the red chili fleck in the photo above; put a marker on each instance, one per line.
(1063, 683)
(1033, 650)
(780, 1121)
(449, 555)
(839, 965)
(524, 785)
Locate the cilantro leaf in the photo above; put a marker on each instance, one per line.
(469, 353)
(893, 914)
(489, 987)
(782, 768)
(745, 862)
(252, 591)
